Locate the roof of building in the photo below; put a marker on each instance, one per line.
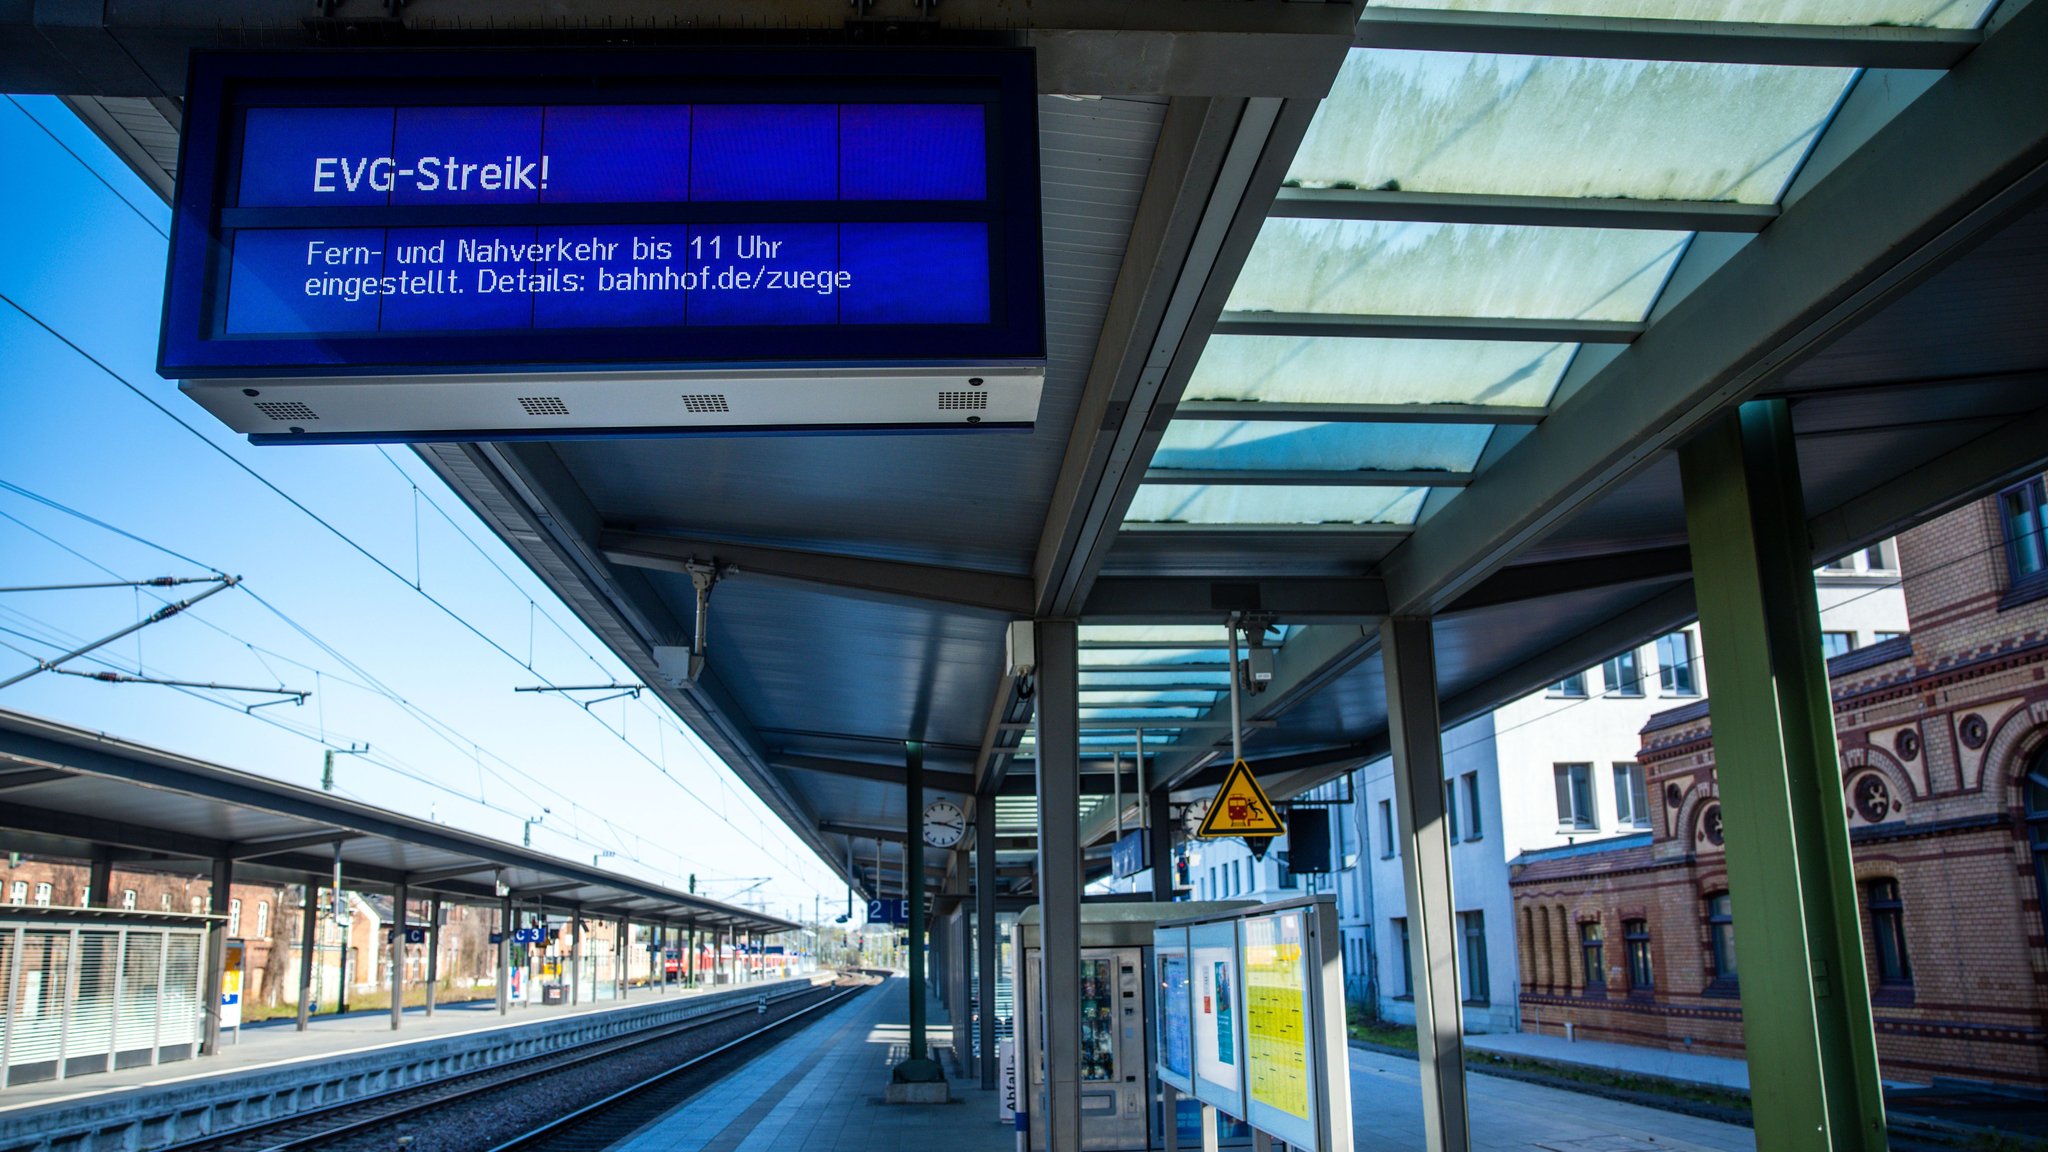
(1614, 851)
(1673, 717)
(1869, 656)
(71, 793)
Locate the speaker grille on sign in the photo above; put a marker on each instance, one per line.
(953, 401)
(285, 410)
(705, 402)
(543, 405)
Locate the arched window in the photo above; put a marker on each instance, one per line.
(2036, 785)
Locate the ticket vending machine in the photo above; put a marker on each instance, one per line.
(1120, 1095)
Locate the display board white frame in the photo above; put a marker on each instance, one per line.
(1316, 986)
(1172, 943)
(1288, 991)
(1216, 994)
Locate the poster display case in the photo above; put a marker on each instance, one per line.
(1262, 992)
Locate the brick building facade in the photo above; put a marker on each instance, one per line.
(1944, 770)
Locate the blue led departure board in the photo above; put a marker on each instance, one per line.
(386, 213)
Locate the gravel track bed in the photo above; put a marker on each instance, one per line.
(493, 1118)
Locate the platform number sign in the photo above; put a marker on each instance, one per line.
(889, 912)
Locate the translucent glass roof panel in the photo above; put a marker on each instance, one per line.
(1565, 126)
(1386, 268)
(1273, 504)
(1140, 713)
(1127, 657)
(1105, 679)
(1909, 13)
(1271, 444)
(1337, 370)
(1091, 697)
(1198, 634)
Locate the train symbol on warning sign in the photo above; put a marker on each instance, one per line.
(1241, 809)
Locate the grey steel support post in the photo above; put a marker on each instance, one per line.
(919, 1068)
(622, 971)
(576, 955)
(690, 960)
(1059, 876)
(1805, 994)
(1408, 651)
(216, 952)
(399, 919)
(985, 932)
(309, 941)
(660, 950)
(433, 949)
(1159, 841)
(961, 1005)
(504, 951)
(99, 879)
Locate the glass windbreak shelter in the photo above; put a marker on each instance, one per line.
(86, 996)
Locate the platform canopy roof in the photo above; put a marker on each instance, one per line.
(1353, 310)
(70, 793)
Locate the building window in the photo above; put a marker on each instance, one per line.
(1473, 828)
(1631, 796)
(1573, 685)
(262, 918)
(1674, 665)
(1635, 936)
(1451, 810)
(1407, 984)
(1888, 932)
(1591, 949)
(1622, 675)
(1833, 644)
(17, 892)
(1881, 637)
(128, 899)
(163, 901)
(1721, 928)
(1882, 556)
(1472, 931)
(234, 917)
(42, 895)
(1575, 797)
(1387, 842)
(2024, 516)
(198, 905)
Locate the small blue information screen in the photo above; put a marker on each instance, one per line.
(381, 212)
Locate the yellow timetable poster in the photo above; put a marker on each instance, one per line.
(1276, 1013)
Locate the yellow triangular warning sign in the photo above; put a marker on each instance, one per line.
(1240, 809)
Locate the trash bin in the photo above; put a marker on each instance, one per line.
(552, 994)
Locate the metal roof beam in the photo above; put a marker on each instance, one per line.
(989, 591)
(110, 833)
(1541, 331)
(28, 777)
(1311, 477)
(1959, 162)
(1191, 46)
(1265, 535)
(457, 872)
(549, 889)
(1707, 41)
(1542, 211)
(1360, 413)
(1563, 577)
(1313, 656)
(253, 849)
(935, 781)
(1291, 600)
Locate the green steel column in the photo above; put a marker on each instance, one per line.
(920, 1067)
(1805, 995)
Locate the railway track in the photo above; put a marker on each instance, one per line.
(401, 1117)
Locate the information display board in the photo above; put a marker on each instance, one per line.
(1265, 998)
(1218, 1017)
(398, 214)
(1173, 1037)
(1280, 1055)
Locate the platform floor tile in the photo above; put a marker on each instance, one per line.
(822, 1089)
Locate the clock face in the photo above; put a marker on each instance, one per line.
(944, 824)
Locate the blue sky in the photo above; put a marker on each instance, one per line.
(82, 252)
